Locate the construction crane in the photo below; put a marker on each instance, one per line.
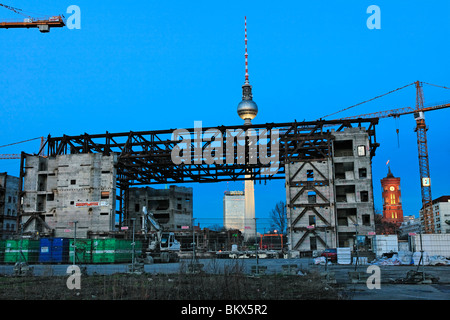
(17, 156)
(422, 145)
(43, 24)
(10, 156)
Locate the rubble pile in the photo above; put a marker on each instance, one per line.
(401, 258)
(410, 258)
(416, 277)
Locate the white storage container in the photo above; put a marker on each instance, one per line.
(384, 244)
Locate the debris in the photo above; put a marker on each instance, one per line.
(320, 260)
(409, 258)
(361, 260)
(425, 258)
(23, 269)
(417, 277)
(405, 257)
(393, 261)
(439, 261)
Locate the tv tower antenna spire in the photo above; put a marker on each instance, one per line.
(246, 53)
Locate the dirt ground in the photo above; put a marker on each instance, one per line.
(169, 287)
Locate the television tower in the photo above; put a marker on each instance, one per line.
(247, 111)
(247, 108)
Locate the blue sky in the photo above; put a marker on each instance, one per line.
(151, 65)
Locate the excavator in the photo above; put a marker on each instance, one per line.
(162, 246)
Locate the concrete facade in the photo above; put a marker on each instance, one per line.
(310, 206)
(172, 207)
(330, 200)
(9, 199)
(66, 188)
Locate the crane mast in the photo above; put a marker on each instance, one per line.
(424, 166)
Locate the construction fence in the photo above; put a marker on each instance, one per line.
(428, 249)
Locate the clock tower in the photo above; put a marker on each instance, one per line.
(392, 201)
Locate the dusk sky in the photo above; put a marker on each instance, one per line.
(147, 65)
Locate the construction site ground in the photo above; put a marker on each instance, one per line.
(332, 282)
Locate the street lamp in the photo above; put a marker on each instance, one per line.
(356, 244)
(193, 242)
(256, 249)
(75, 242)
(133, 244)
(421, 256)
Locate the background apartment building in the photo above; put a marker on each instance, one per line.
(9, 199)
(234, 210)
(441, 214)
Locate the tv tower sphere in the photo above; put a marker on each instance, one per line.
(247, 109)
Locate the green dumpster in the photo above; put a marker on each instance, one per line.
(83, 250)
(21, 250)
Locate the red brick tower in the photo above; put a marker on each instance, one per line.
(392, 201)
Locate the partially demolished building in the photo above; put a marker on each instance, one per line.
(330, 199)
(171, 207)
(79, 191)
(97, 184)
(69, 191)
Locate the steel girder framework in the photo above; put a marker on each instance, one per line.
(144, 158)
